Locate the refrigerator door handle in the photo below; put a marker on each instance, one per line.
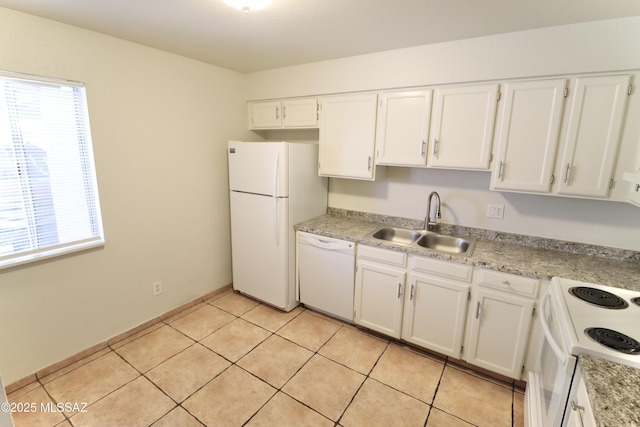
(276, 171)
(276, 220)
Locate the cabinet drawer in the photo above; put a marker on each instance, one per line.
(386, 256)
(441, 268)
(508, 282)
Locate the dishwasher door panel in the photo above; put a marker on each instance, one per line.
(326, 272)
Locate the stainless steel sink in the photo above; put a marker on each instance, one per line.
(438, 242)
(427, 239)
(399, 236)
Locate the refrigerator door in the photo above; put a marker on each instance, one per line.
(260, 247)
(258, 167)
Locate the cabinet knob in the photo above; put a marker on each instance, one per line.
(506, 282)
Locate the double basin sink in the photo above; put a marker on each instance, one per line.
(426, 239)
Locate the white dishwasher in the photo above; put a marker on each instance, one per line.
(326, 273)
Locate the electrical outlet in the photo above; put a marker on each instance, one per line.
(157, 288)
(495, 211)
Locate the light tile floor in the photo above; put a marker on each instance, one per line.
(232, 361)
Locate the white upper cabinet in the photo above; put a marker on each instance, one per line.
(287, 113)
(403, 128)
(527, 135)
(347, 136)
(591, 135)
(265, 115)
(462, 126)
(300, 113)
(634, 191)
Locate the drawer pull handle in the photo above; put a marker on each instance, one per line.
(506, 282)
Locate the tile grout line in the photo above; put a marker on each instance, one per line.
(280, 389)
(361, 385)
(341, 324)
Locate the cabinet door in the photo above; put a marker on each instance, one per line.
(265, 114)
(347, 136)
(403, 128)
(462, 127)
(527, 135)
(435, 313)
(379, 297)
(499, 332)
(590, 144)
(300, 113)
(634, 192)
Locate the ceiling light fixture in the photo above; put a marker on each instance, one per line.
(248, 5)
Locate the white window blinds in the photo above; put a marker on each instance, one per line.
(48, 193)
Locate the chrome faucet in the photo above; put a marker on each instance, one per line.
(428, 224)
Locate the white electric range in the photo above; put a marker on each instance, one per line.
(574, 321)
(599, 320)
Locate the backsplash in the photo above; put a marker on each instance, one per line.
(517, 239)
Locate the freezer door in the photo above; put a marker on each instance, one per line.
(258, 167)
(260, 247)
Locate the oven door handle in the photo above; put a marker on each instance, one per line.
(547, 331)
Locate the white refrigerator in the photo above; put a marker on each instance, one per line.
(272, 187)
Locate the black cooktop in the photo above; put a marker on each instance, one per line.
(614, 340)
(599, 297)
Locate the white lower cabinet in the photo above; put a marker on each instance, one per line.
(435, 305)
(428, 310)
(434, 313)
(379, 290)
(500, 319)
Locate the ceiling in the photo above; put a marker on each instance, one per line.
(291, 32)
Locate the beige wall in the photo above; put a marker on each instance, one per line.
(160, 123)
(595, 47)
(580, 48)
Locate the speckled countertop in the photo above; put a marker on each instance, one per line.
(614, 389)
(523, 255)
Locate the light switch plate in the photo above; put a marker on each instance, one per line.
(495, 211)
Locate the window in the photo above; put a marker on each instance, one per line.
(48, 193)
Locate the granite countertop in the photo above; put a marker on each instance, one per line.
(497, 251)
(613, 388)
(614, 391)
